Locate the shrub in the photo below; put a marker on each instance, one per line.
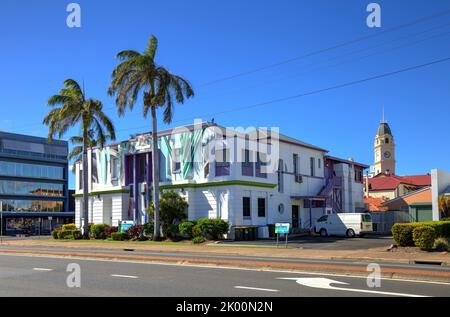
(186, 227)
(197, 231)
(69, 227)
(65, 235)
(135, 232)
(442, 228)
(424, 237)
(119, 236)
(77, 234)
(55, 233)
(403, 233)
(213, 228)
(172, 209)
(198, 240)
(441, 245)
(109, 231)
(172, 231)
(98, 232)
(149, 228)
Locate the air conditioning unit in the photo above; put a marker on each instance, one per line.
(143, 188)
(299, 179)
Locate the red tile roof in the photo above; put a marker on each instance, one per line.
(388, 182)
(375, 204)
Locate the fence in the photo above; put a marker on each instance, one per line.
(384, 220)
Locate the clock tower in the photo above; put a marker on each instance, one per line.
(384, 149)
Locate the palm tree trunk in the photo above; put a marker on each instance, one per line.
(85, 189)
(155, 171)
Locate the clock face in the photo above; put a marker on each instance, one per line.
(387, 154)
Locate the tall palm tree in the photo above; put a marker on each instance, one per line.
(139, 73)
(72, 108)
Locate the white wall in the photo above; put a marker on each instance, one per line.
(440, 180)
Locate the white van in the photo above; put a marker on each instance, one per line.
(344, 224)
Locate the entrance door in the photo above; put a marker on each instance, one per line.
(295, 217)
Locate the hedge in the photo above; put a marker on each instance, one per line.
(119, 236)
(424, 237)
(98, 232)
(403, 232)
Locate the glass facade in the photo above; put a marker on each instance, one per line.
(31, 170)
(8, 187)
(31, 206)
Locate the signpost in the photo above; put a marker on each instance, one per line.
(282, 228)
(125, 225)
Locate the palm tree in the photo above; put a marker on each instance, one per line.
(139, 73)
(77, 141)
(71, 107)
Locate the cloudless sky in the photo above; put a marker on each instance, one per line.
(206, 40)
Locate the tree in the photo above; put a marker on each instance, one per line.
(444, 206)
(76, 154)
(173, 209)
(72, 108)
(138, 74)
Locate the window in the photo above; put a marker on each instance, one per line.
(295, 163)
(280, 176)
(387, 140)
(358, 175)
(313, 166)
(319, 163)
(322, 219)
(246, 210)
(94, 168)
(176, 163)
(261, 207)
(261, 165)
(114, 168)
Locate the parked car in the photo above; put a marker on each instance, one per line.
(344, 224)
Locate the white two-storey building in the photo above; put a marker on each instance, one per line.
(249, 178)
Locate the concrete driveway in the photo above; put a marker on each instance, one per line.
(328, 243)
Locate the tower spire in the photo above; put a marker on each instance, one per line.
(382, 118)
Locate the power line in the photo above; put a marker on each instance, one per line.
(287, 61)
(227, 93)
(418, 21)
(314, 92)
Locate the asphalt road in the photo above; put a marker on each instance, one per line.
(44, 276)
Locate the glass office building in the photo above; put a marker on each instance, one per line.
(34, 196)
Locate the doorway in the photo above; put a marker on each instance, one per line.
(295, 217)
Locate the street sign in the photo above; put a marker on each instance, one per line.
(50, 218)
(282, 228)
(125, 225)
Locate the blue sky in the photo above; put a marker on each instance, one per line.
(206, 40)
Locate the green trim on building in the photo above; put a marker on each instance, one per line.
(107, 192)
(218, 184)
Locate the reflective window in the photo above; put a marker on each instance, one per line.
(31, 170)
(33, 189)
(31, 206)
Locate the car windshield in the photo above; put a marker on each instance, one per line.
(367, 218)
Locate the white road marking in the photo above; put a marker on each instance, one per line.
(325, 283)
(42, 269)
(257, 289)
(124, 276)
(220, 267)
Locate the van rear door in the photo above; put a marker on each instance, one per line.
(366, 223)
